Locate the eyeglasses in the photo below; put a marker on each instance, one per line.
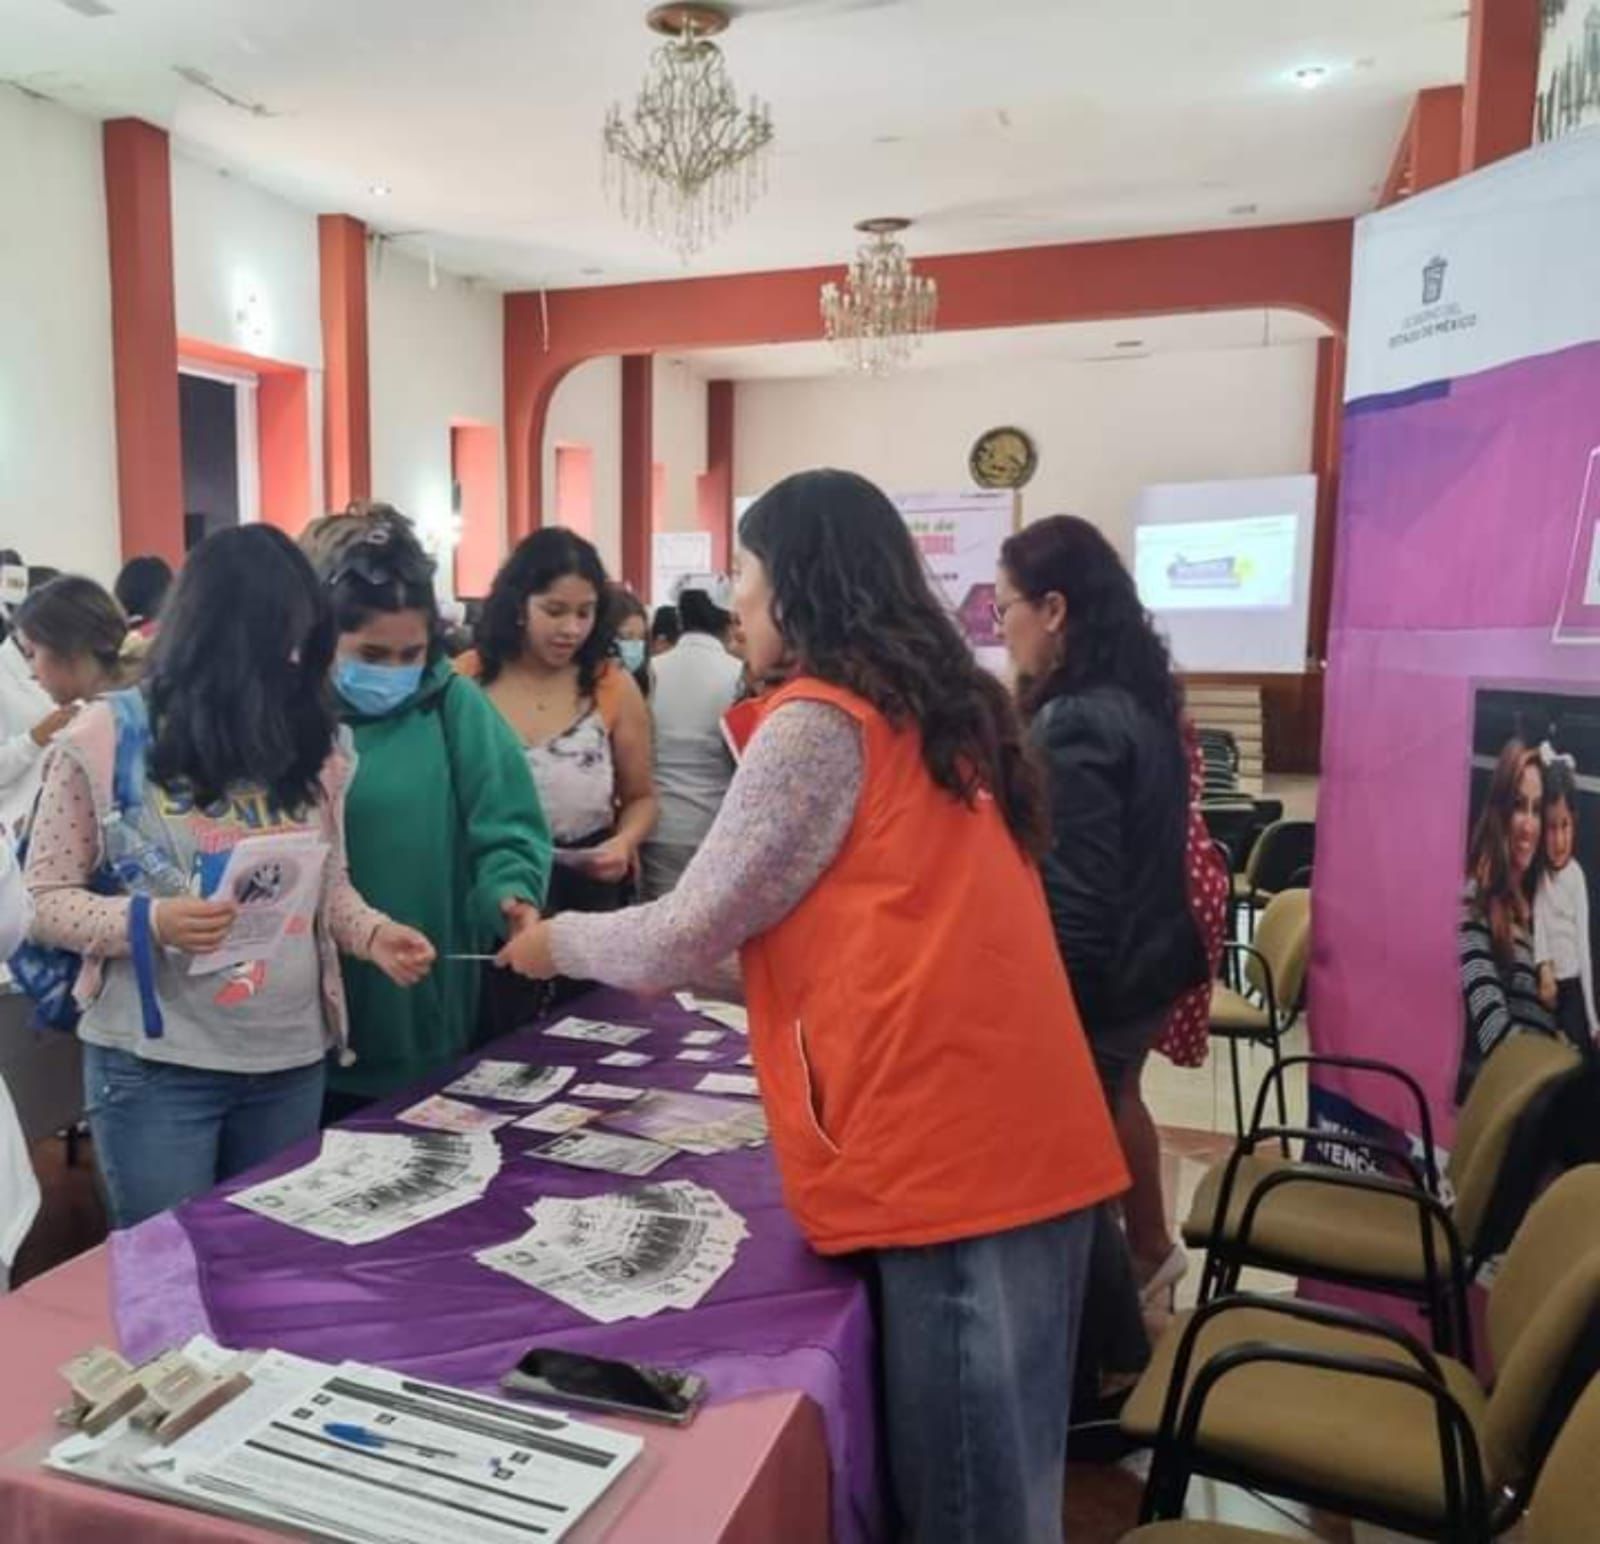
(1002, 608)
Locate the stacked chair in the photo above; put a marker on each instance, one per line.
(1355, 1415)
(1220, 753)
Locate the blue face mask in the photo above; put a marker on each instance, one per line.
(631, 652)
(373, 690)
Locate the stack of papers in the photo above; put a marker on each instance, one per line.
(438, 1113)
(693, 1123)
(512, 1082)
(627, 1255)
(558, 1117)
(365, 1186)
(729, 1015)
(596, 1032)
(601, 1150)
(368, 1456)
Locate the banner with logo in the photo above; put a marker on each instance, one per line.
(960, 536)
(1461, 754)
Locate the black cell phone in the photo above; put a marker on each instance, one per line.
(597, 1383)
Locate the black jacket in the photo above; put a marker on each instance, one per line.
(1114, 875)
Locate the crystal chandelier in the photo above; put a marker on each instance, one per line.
(880, 312)
(686, 161)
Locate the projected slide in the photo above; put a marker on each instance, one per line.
(1218, 565)
(1225, 568)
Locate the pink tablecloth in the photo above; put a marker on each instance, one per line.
(750, 1471)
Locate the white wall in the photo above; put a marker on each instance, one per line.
(678, 438)
(232, 242)
(58, 453)
(247, 276)
(433, 355)
(1103, 430)
(587, 410)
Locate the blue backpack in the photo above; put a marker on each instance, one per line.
(48, 975)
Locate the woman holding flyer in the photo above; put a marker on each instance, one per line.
(209, 1072)
(443, 823)
(930, 1092)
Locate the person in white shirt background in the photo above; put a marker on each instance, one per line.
(695, 684)
(29, 720)
(1561, 939)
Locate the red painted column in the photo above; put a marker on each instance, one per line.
(475, 468)
(1327, 439)
(638, 473)
(1436, 137)
(1429, 152)
(346, 404)
(717, 513)
(144, 338)
(1502, 80)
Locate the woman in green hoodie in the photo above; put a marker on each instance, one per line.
(442, 821)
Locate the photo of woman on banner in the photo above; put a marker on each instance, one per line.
(1499, 982)
(1561, 940)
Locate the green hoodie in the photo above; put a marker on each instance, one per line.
(442, 824)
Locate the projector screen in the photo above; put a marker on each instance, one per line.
(1225, 567)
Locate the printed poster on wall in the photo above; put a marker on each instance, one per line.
(960, 536)
(1458, 809)
(674, 557)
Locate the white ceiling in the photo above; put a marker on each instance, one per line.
(993, 122)
(1103, 341)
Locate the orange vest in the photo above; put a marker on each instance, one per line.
(922, 1063)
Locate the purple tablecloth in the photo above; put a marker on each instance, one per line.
(782, 1317)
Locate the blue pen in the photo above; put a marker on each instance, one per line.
(365, 1437)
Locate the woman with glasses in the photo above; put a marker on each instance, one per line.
(443, 823)
(1106, 715)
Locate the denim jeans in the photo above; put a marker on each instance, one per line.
(978, 1341)
(163, 1133)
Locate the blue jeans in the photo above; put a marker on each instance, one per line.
(163, 1133)
(979, 1338)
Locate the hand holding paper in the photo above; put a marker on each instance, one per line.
(192, 925)
(529, 953)
(610, 862)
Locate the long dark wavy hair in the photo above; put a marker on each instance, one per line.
(852, 600)
(537, 563)
(238, 681)
(1110, 639)
(1504, 903)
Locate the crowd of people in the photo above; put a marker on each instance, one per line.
(961, 916)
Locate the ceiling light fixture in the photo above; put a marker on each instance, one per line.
(686, 160)
(1309, 76)
(380, 189)
(881, 311)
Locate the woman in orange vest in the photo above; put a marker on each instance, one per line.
(929, 1088)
